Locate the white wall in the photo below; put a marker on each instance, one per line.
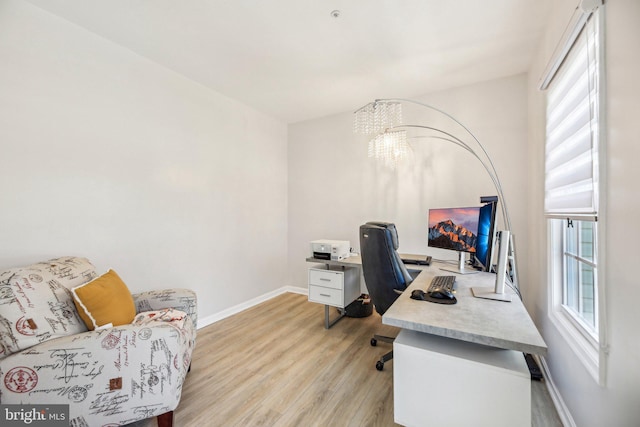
(616, 403)
(107, 155)
(334, 187)
(110, 156)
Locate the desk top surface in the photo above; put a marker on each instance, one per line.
(494, 323)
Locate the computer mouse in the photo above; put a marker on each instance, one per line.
(418, 294)
(440, 293)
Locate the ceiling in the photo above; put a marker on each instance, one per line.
(293, 60)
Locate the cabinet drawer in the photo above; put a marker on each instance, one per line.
(326, 278)
(325, 296)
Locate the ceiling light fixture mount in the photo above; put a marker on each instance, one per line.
(335, 13)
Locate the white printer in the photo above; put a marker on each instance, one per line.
(330, 249)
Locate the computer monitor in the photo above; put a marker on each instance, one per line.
(455, 229)
(486, 235)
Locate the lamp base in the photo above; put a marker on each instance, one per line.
(490, 293)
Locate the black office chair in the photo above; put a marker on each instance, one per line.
(384, 273)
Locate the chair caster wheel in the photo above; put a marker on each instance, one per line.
(379, 365)
(374, 342)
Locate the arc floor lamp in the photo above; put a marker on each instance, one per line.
(382, 119)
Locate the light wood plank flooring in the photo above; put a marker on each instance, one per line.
(276, 365)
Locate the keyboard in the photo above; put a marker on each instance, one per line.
(442, 282)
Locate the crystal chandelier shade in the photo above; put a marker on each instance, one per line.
(390, 147)
(377, 117)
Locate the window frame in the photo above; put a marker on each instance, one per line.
(589, 331)
(578, 335)
(589, 345)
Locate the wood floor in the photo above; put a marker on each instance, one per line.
(276, 365)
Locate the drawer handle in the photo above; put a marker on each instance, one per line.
(325, 295)
(325, 280)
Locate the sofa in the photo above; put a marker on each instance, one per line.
(118, 373)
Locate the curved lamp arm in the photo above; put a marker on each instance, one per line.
(431, 107)
(490, 168)
(487, 163)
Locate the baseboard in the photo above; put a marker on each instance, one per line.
(248, 304)
(558, 402)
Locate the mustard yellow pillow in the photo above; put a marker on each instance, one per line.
(104, 300)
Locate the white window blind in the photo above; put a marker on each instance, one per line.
(571, 155)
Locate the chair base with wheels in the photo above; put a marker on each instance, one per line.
(385, 357)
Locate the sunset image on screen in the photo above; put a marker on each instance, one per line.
(466, 217)
(454, 228)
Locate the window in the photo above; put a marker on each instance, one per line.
(572, 169)
(579, 294)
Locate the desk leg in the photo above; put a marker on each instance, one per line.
(327, 323)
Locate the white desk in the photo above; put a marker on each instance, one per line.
(499, 324)
(474, 385)
(471, 350)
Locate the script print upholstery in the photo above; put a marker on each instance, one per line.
(180, 299)
(110, 376)
(36, 303)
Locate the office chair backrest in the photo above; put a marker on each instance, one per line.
(396, 244)
(392, 228)
(384, 272)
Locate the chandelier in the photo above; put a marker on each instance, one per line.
(379, 118)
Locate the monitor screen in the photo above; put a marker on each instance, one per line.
(454, 228)
(486, 228)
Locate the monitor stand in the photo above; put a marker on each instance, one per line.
(461, 268)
